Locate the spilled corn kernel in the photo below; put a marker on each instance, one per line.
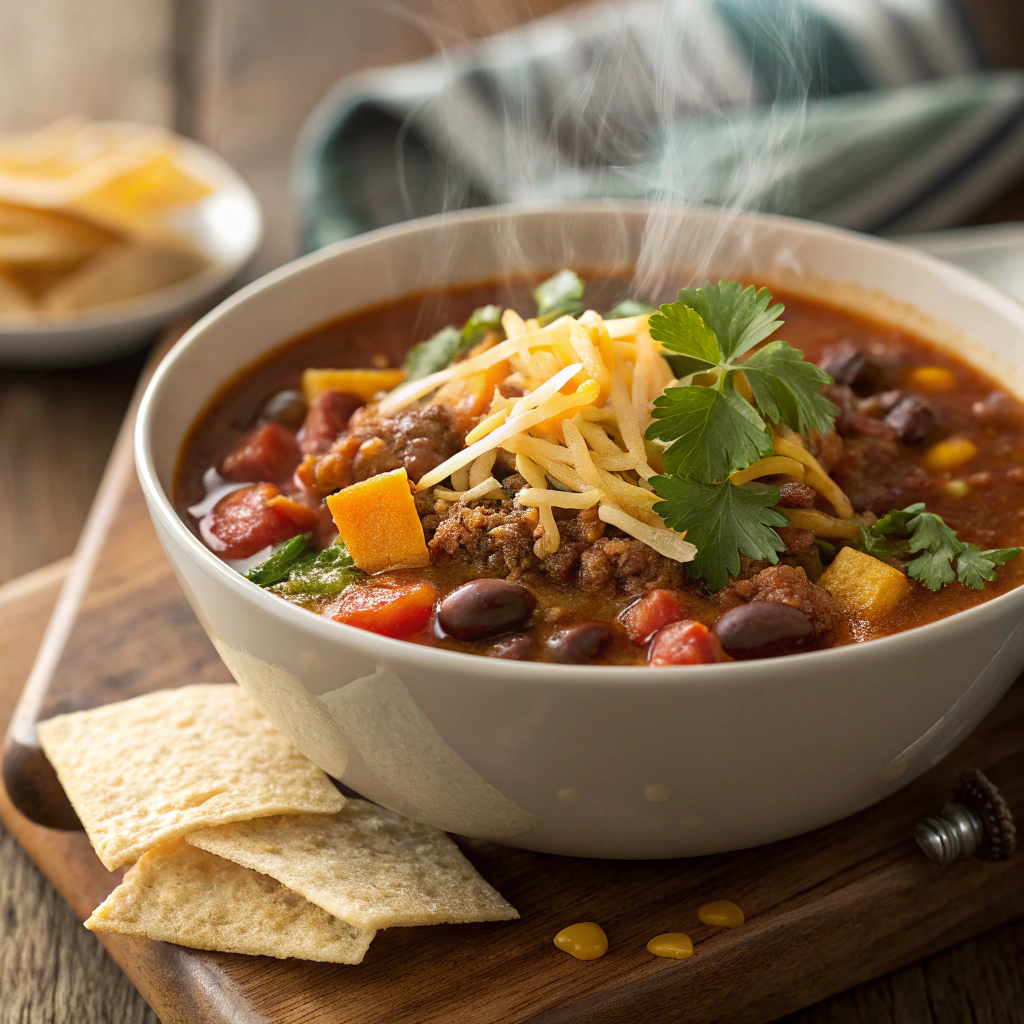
(585, 941)
(949, 454)
(721, 914)
(932, 378)
(674, 945)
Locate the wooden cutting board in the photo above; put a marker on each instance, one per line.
(825, 911)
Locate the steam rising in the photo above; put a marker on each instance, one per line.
(682, 101)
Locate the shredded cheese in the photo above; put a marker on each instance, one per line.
(538, 497)
(774, 465)
(665, 541)
(481, 490)
(822, 524)
(814, 474)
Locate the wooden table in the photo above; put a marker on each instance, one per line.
(241, 75)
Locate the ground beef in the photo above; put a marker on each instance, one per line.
(495, 538)
(798, 541)
(629, 565)
(419, 439)
(826, 448)
(787, 585)
(877, 477)
(794, 495)
(577, 533)
(514, 483)
(853, 420)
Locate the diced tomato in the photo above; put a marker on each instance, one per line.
(303, 516)
(269, 453)
(390, 607)
(645, 617)
(686, 643)
(247, 520)
(328, 416)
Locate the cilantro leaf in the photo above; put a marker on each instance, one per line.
(681, 330)
(279, 564)
(713, 432)
(787, 388)
(740, 317)
(481, 321)
(897, 522)
(327, 573)
(939, 547)
(433, 354)
(559, 295)
(449, 343)
(723, 521)
(974, 566)
(629, 307)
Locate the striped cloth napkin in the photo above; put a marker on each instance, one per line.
(878, 115)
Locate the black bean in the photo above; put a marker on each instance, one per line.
(847, 365)
(286, 407)
(515, 647)
(485, 608)
(913, 419)
(580, 643)
(760, 622)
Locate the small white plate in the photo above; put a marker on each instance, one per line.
(228, 226)
(994, 252)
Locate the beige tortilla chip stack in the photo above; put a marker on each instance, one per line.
(178, 893)
(244, 845)
(151, 769)
(366, 865)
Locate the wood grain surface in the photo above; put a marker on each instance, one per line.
(242, 74)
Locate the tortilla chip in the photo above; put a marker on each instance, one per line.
(145, 771)
(177, 893)
(44, 236)
(15, 302)
(121, 272)
(367, 866)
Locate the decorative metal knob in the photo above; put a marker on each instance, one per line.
(976, 823)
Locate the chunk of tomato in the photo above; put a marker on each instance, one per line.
(251, 518)
(328, 416)
(685, 643)
(389, 607)
(268, 453)
(645, 617)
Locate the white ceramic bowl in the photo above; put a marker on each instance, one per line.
(597, 761)
(227, 227)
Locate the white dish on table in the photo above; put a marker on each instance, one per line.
(227, 225)
(604, 761)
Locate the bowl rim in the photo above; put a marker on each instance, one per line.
(388, 650)
(170, 298)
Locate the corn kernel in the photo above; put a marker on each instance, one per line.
(932, 378)
(674, 945)
(957, 488)
(864, 585)
(949, 454)
(721, 914)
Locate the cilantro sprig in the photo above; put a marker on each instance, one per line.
(941, 557)
(712, 431)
